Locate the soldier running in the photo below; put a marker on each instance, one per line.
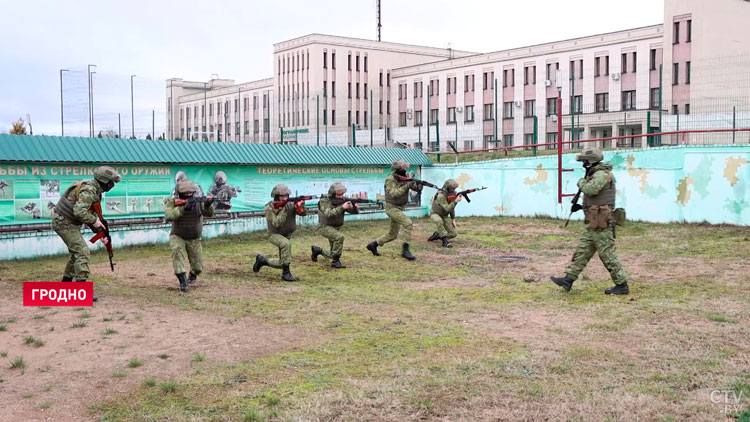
(187, 227)
(282, 222)
(396, 197)
(598, 189)
(75, 208)
(443, 213)
(331, 218)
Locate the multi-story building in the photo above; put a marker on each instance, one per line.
(344, 91)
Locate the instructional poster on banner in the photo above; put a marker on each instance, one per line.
(29, 192)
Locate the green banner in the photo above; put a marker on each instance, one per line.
(29, 192)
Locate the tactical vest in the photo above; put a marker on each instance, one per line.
(336, 221)
(436, 208)
(397, 200)
(605, 197)
(189, 226)
(65, 204)
(289, 226)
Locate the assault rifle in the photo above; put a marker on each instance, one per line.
(293, 199)
(102, 233)
(190, 202)
(575, 207)
(337, 202)
(464, 193)
(405, 179)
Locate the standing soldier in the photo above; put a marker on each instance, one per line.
(396, 197)
(443, 213)
(331, 218)
(282, 222)
(598, 188)
(187, 227)
(75, 208)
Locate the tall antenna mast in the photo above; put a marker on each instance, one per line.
(379, 25)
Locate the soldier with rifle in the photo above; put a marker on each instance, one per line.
(397, 187)
(598, 188)
(281, 218)
(443, 211)
(331, 210)
(186, 211)
(81, 204)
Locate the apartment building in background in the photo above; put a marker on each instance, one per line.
(331, 90)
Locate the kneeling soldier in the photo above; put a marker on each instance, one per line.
(396, 197)
(598, 189)
(187, 226)
(76, 207)
(443, 213)
(282, 222)
(331, 218)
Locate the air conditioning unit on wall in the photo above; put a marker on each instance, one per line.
(459, 109)
(518, 104)
(615, 76)
(547, 83)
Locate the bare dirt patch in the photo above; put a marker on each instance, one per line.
(78, 367)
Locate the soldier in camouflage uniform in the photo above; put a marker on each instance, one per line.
(331, 218)
(282, 222)
(598, 188)
(443, 213)
(187, 227)
(396, 197)
(74, 209)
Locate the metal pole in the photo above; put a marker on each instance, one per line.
(429, 115)
(354, 136)
(734, 123)
(153, 124)
(559, 146)
(497, 142)
(62, 115)
(573, 104)
(317, 119)
(93, 127)
(325, 119)
(536, 133)
(132, 108)
(119, 126)
(437, 138)
(648, 128)
(661, 69)
(372, 133)
(88, 73)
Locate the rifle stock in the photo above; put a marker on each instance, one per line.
(178, 202)
(294, 199)
(464, 193)
(404, 179)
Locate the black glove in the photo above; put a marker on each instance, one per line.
(576, 207)
(209, 200)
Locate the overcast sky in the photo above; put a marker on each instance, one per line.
(156, 40)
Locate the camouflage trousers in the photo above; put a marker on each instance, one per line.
(285, 251)
(603, 242)
(444, 226)
(335, 239)
(194, 251)
(401, 225)
(78, 264)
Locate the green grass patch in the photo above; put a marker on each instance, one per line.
(135, 363)
(18, 363)
(79, 324)
(32, 341)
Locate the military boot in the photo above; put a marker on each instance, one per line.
(82, 281)
(446, 243)
(435, 236)
(183, 282)
(316, 251)
(564, 282)
(193, 278)
(619, 289)
(286, 275)
(373, 247)
(66, 278)
(336, 262)
(406, 253)
(260, 262)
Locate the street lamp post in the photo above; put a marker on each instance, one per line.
(93, 126)
(62, 116)
(88, 80)
(132, 108)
